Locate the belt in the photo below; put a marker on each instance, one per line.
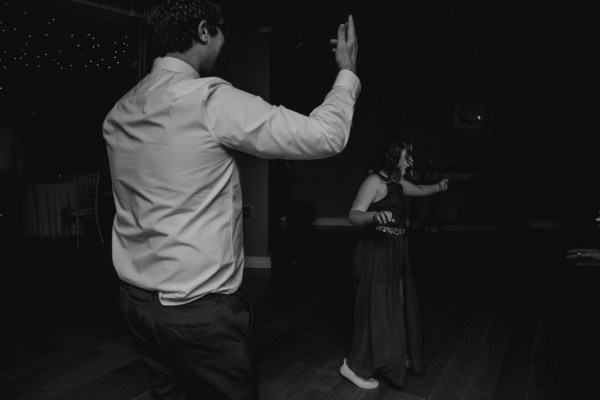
(390, 230)
(153, 296)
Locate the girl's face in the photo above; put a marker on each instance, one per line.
(405, 161)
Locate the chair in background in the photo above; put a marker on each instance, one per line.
(86, 204)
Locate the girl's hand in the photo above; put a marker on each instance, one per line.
(443, 185)
(584, 257)
(383, 217)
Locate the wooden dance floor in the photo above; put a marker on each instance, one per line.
(504, 318)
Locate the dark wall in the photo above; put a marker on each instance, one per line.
(533, 65)
(62, 72)
(529, 78)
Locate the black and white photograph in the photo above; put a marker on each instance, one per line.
(298, 200)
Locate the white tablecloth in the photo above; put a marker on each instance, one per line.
(42, 205)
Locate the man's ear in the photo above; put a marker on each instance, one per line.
(203, 34)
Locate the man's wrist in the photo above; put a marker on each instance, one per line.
(348, 79)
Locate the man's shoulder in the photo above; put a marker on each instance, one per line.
(200, 86)
(173, 89)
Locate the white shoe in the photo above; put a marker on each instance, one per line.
(362, 383)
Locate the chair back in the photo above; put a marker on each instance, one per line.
(86, 191)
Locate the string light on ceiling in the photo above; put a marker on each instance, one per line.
(38, 41)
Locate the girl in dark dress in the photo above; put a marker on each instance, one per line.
(387, 333)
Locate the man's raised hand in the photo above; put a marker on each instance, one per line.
(346, 46)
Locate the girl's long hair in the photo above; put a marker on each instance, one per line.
(387, 153)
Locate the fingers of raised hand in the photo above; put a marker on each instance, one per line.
(334, 43)
(341, 34)
(351, 28)
(351, 32)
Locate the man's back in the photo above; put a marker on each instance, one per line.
(177, 234)
(177, 189)
(178, 199)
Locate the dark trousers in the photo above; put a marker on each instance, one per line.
(197, 350)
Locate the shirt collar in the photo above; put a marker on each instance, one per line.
(175, 65)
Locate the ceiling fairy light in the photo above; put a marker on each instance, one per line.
(35, 39)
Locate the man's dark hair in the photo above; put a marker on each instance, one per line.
(387, 154)
(172, 25)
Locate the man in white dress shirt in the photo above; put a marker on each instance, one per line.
(177, 232)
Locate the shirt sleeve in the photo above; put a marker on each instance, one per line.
(247, 123)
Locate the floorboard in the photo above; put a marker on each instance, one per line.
(493, 328)
(484, 377)
(457, 371)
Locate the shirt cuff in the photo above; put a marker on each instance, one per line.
(348, 79)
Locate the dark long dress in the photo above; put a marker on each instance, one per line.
(387, 327)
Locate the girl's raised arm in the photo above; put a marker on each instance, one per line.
(410, 189)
